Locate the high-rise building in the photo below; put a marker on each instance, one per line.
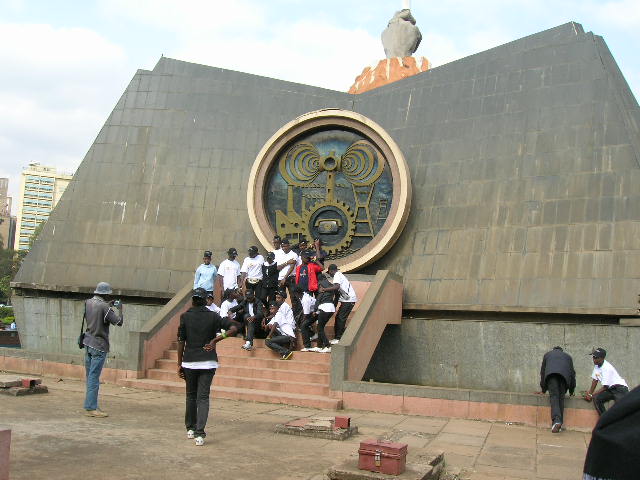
(7, 222)
(40, 189)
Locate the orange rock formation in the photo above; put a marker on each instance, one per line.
(388, 71)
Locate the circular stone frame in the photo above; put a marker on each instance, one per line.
(332, 118)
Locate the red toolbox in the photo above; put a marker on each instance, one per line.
(382, 457)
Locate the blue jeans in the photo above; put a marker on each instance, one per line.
(93, 363)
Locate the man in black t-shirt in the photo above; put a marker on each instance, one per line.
(270, 274)
(197, 359)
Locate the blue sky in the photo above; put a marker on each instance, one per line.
(66, 63)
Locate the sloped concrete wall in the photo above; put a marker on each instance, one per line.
(525, 168)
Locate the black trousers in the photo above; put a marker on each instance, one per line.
(279, 343)
(296, 306)
(557, 387)
(268, 295)
(198, 386)
(306, 330)
(614, 392)
(341, 318)
(254, 330)
(323, 318)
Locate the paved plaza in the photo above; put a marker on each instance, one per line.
(144, 438)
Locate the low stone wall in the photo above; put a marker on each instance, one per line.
(528, 409)
(496, 355)
(61, 365)
(49, 324)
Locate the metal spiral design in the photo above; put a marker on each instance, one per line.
(300, 165)
(361, 164)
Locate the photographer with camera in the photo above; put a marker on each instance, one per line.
(100, 312)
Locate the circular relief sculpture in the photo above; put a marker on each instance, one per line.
(334, 175)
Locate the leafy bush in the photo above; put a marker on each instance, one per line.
(7, 320)
(6, 312)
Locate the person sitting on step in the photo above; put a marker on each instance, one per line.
(229, 300)
(212, 306)
(281, 327)
(249, 314)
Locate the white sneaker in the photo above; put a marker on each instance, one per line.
(334, 341)
(191, 434)
(305, 349)
(314, 349)
(314, 338)
(247, 346)
(325, 350)
(199, 441)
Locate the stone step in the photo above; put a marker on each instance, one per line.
(261, 353)
(237, 342)
(230, 370)
(240, 360)
(265, 396)
(265, 352)
(251, 383)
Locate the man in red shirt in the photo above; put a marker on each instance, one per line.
(307, 283)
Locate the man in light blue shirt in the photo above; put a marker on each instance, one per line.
(205, 274)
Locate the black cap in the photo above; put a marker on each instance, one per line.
(285, 241)
(307, 253)
(271, 255)
(599, 353)
(276, 237)
(333, 266)
(199, 293)
(209, 295)
(303, 240)
(232, 251)
(273, 304)
(207, 253)
(253, 249)
(282, 293)
(250, 291)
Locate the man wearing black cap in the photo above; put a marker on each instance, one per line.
(277, 243)
(614, 387)
(281, 329)
(205, 274)
(303, 244)
(307, 283)
(249, 314)
(270, 276)
(347, 297)
(287, 260)
(230, 270)
(251, 272)
(556, 375)
(198, 361)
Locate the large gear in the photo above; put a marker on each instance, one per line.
(309, 214)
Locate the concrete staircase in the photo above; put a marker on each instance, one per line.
(259, 375)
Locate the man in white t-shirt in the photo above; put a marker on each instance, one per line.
(614, 387)
(287, 261)
(281, 327)
(347, 298)
(210, 305)
(229, 270)
(251, 272)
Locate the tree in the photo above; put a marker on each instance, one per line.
(10, 261)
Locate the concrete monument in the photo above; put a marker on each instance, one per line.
(523, 230)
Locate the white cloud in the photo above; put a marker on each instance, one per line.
(59, 88)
